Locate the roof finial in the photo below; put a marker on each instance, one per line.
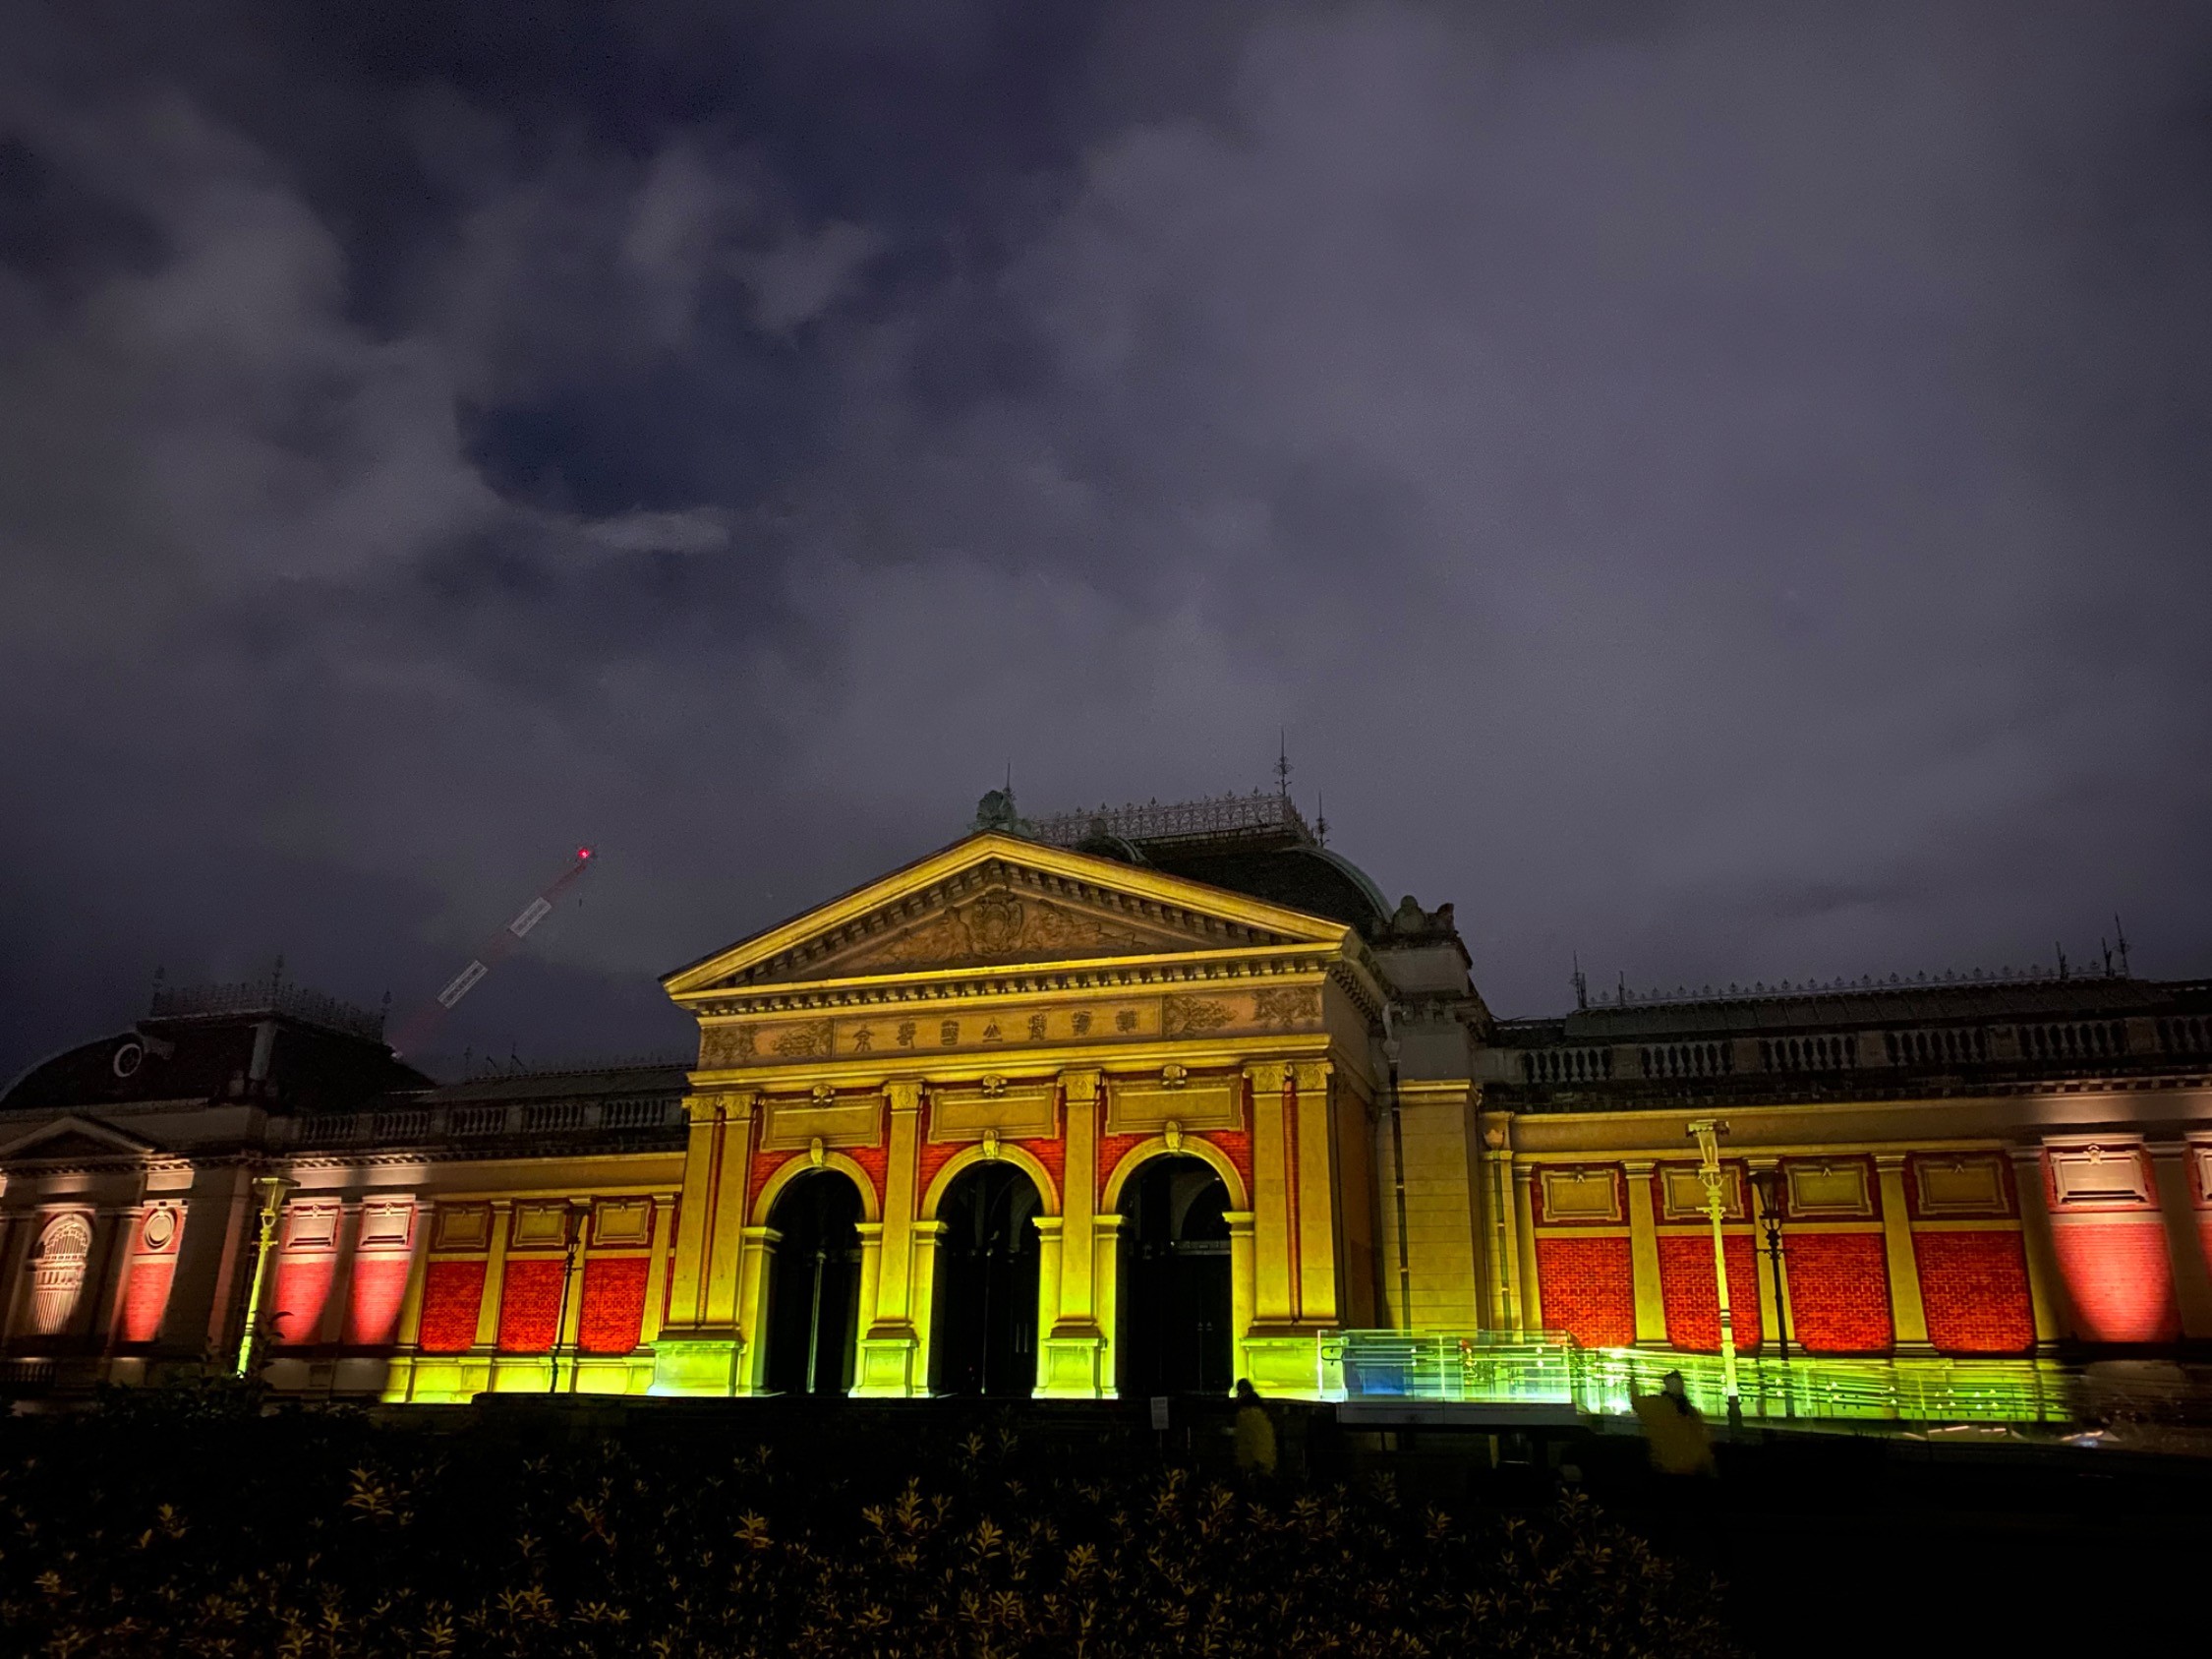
(2121, 938)
(1282, 761)
(1581, 983)
(1321, 819)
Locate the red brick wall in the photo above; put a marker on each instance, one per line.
(1839, 1293)
(613, 1308)
(1112, 1149)
(2121, 1279)
(1693, 1307)
(147, 1298)
(380, 1286)
(1974, 1286)
(1588, 1290)
(529, 1305)
(452, 1295)
(303, 1285)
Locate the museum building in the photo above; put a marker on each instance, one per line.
(1122, 1102)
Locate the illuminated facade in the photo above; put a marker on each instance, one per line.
(1111, 1105)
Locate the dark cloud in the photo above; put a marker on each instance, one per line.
(1718, 490)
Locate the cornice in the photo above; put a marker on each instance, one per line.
(1030, 981)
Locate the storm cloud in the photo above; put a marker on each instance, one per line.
(1719, 491)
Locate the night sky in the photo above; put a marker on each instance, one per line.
(1720, 490)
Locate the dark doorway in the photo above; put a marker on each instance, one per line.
(1173, 1321)
(983, 1338)
(814, 1287)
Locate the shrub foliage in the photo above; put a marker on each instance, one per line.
(197, 1526)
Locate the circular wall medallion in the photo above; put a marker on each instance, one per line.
(129, 1055)
(161, 1227)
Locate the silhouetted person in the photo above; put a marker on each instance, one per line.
(1255, 1430)
(1680, 1444)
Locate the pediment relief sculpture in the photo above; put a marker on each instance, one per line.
(997, 926)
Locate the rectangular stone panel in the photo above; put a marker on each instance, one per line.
(622, 1222)
(1146, 1106)
(462, 1226)
(386, 1225)
(1821, 1190)
(311, 1226)
(1962, 1184)
(2100, 1174)
(790, 1124)
(1018, 1111)
(541, 1225)
(1682, 1194)
(1579, 1195)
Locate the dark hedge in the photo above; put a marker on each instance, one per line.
(192, 1524)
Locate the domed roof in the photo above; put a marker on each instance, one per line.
(1306, 879)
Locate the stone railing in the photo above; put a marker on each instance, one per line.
(414, 1126)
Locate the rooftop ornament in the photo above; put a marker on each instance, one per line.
(1262, 814)
(269, 996)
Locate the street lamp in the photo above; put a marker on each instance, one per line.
(1766, 1183)
(572, 1230)
(1707, 1132)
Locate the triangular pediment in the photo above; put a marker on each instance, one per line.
(76, 1138)
(996, 901)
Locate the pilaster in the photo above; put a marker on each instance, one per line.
(1524, 1226)
(495, 1279)
(1643, 1256)
(1313, 1099)
(2047, 1288)
(2173, 1165)
(1909, 1314)
(1272, 1198)
(656, 1269)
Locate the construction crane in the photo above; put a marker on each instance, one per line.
(425, 1021)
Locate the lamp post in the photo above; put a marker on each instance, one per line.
(573, 1231)
(272, 1190)
(1766, 1183)
(1707, 1131)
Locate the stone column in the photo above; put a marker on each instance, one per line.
(1239, 1276)
(1049, 1273)
(2174, 1162)
(697, 1350)
(745, 1359)
(885, 1367)
(400, 1384)
(1908, 1315)
(923, 1297)
(2053, 1307)
(1071, 1344)
(1315, 1289)
(729, 1215)
(1105, 1280)
(1523, 1215)
(1643, 1256)
(1273, 1281)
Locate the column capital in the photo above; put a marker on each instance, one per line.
(500, 1206)
(1048, 1226)
(1266, 1075)
(1082, 1082)
(869, 1231)
(1311, 1074)
(904, 1094)
(1888, 1161)
(1639, 1165)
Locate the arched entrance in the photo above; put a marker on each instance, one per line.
(814, 1287)
(1174, 1320)
(983, 1338)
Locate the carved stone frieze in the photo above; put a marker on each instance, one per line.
(1000, 926)
(1287, 1007)
(1182, 1016)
